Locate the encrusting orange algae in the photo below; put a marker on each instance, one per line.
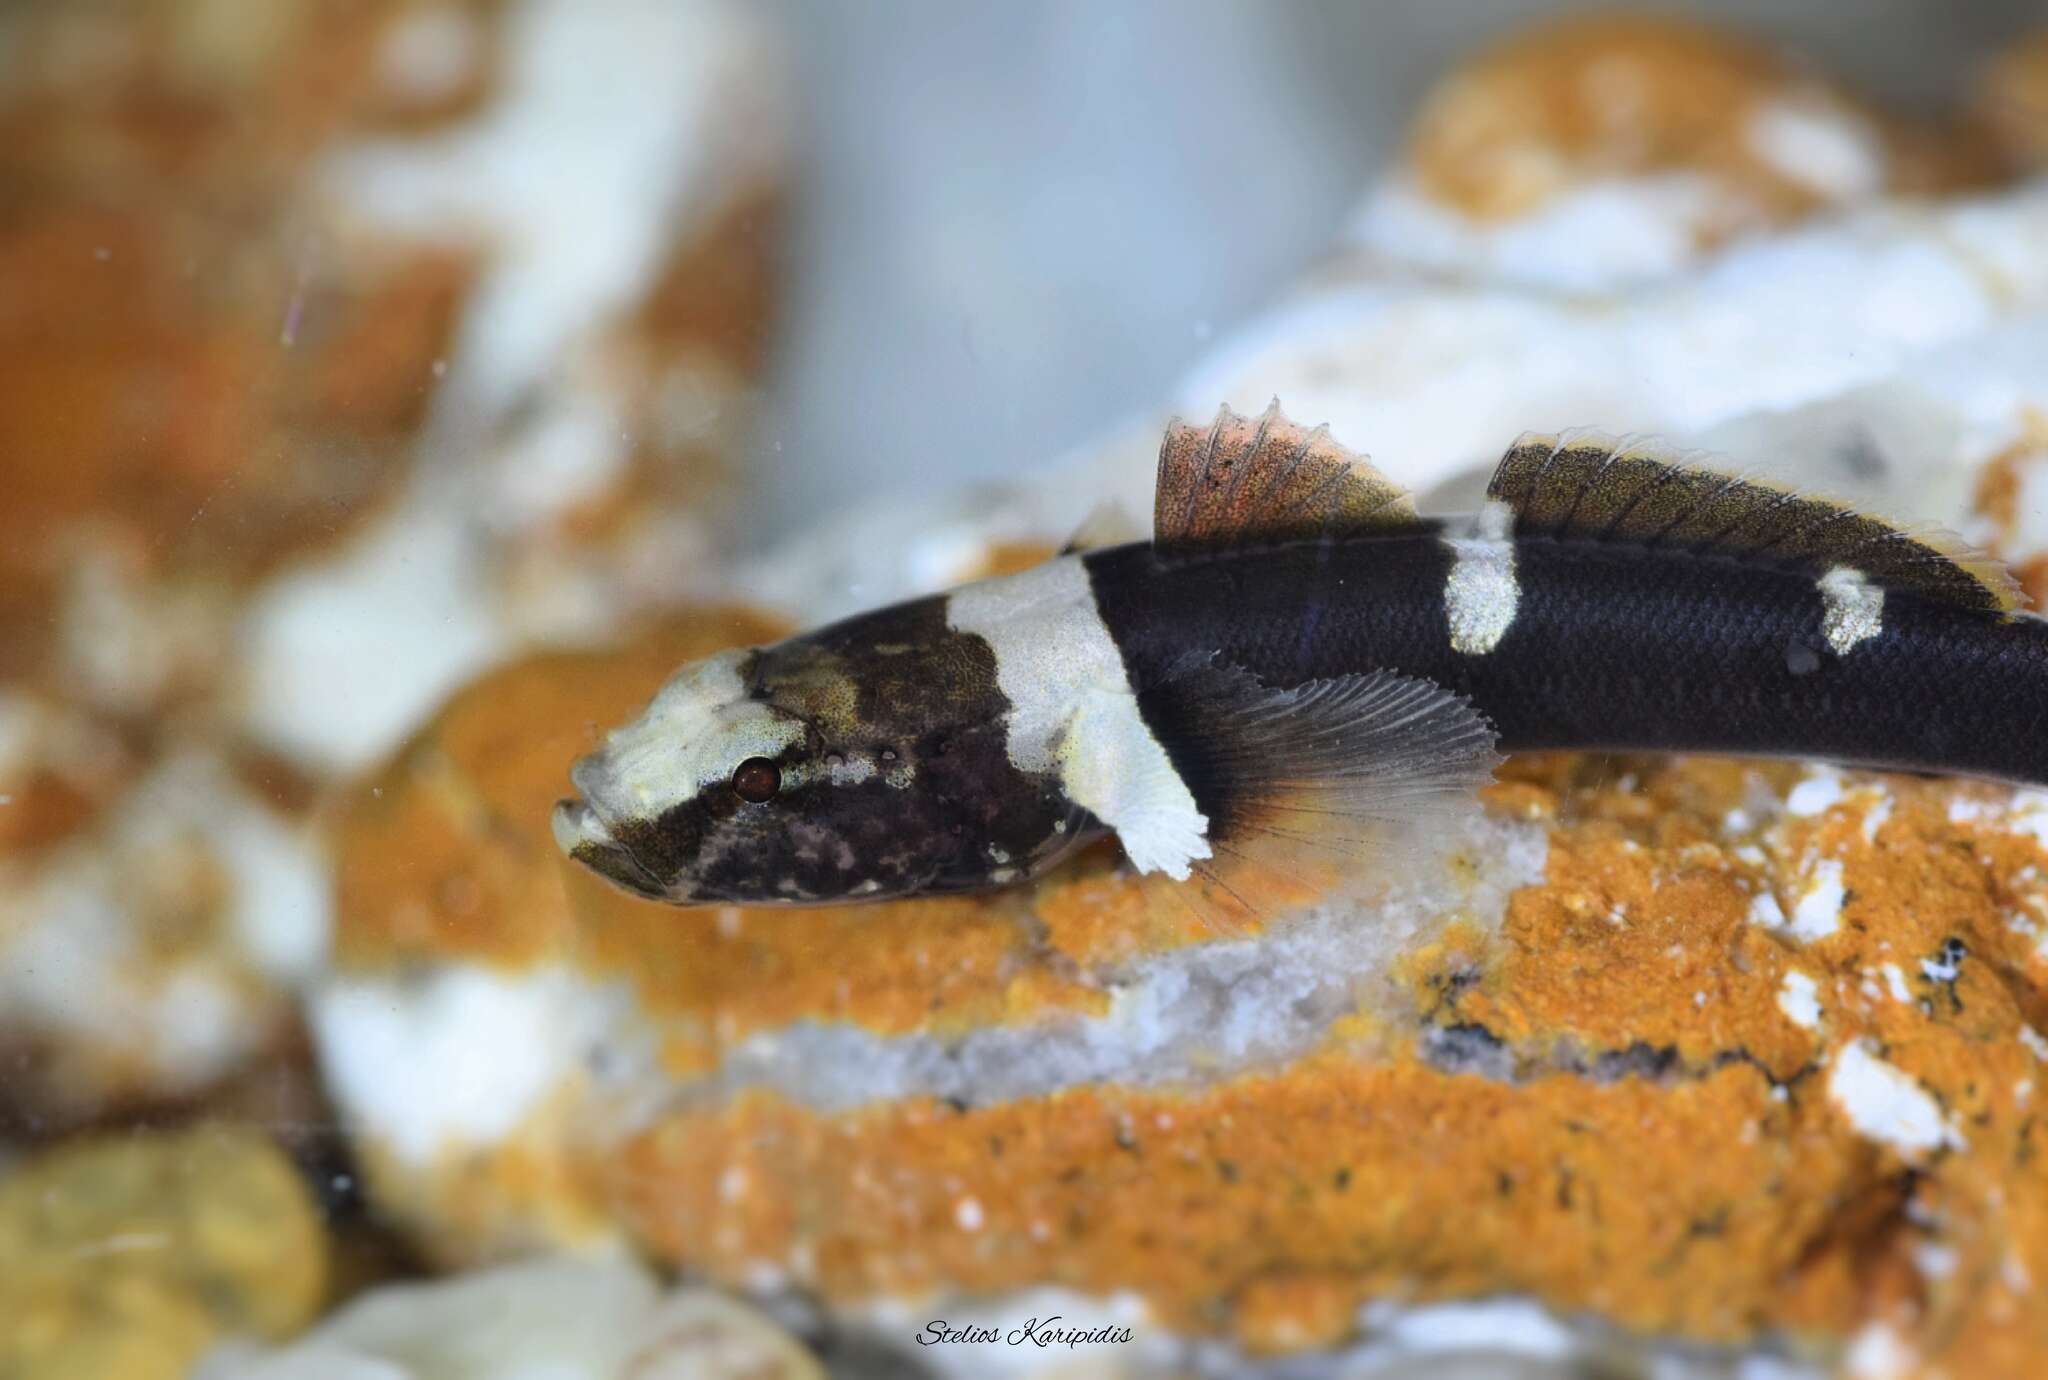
(1664, 1145)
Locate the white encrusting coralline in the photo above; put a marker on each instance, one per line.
(159, 948)
(1799, 999)
(2023, 812)
(614, 127)
(1883, 355)
(1818, 911)
(1595, 239)
(1189, 1016)
(1887, 1104)
(429, 1065)
(1430, 377)
(1816, 795)
(426, 1067)
(1877, 1352)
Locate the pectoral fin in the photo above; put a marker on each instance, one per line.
(1270, 796)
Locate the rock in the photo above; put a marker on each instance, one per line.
(158, 949)
(1618, 148)
(260, 268)
(600, 376)
(131, 1256)
(458, 923)
(561, 1320)
(1546, 1086)
(190, 395)
(1738, 1059)
(2012, 100)
(1652, 958)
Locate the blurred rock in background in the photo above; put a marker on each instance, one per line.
(1024, 220)
(346, 350)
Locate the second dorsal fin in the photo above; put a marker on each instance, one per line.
(1591, 486)
(1246, 480)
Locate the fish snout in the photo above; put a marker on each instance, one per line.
(582, 834)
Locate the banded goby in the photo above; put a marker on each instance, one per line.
(1299, 676)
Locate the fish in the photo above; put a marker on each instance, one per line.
(1299, 676)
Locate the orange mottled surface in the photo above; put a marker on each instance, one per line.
(1619, 96)
(193, 382)
(1649, 1131)
(2012, 99)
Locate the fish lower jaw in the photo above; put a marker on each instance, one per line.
(581, 833)
(576, 825)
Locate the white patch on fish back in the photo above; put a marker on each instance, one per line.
(699, 726)
(1852, 609)
(1482, 593)
(1072, 710)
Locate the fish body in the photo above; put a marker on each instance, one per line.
(1300, 675)
(1614, 649)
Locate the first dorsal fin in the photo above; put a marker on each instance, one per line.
(1593, 487)
(1248, 480)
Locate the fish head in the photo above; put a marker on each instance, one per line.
(864, 762)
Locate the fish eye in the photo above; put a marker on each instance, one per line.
(756, 780)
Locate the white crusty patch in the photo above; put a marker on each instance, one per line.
(698, 727)
(1885, 1103)
(1818, 912)
(1816, 795)
(1821, 145)
(1799, 999)
(458, 1057)
(1072, 710)
(1481, 595)
(1879, 1353)
(1852, 609)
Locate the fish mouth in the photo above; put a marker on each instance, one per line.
(582, 833)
